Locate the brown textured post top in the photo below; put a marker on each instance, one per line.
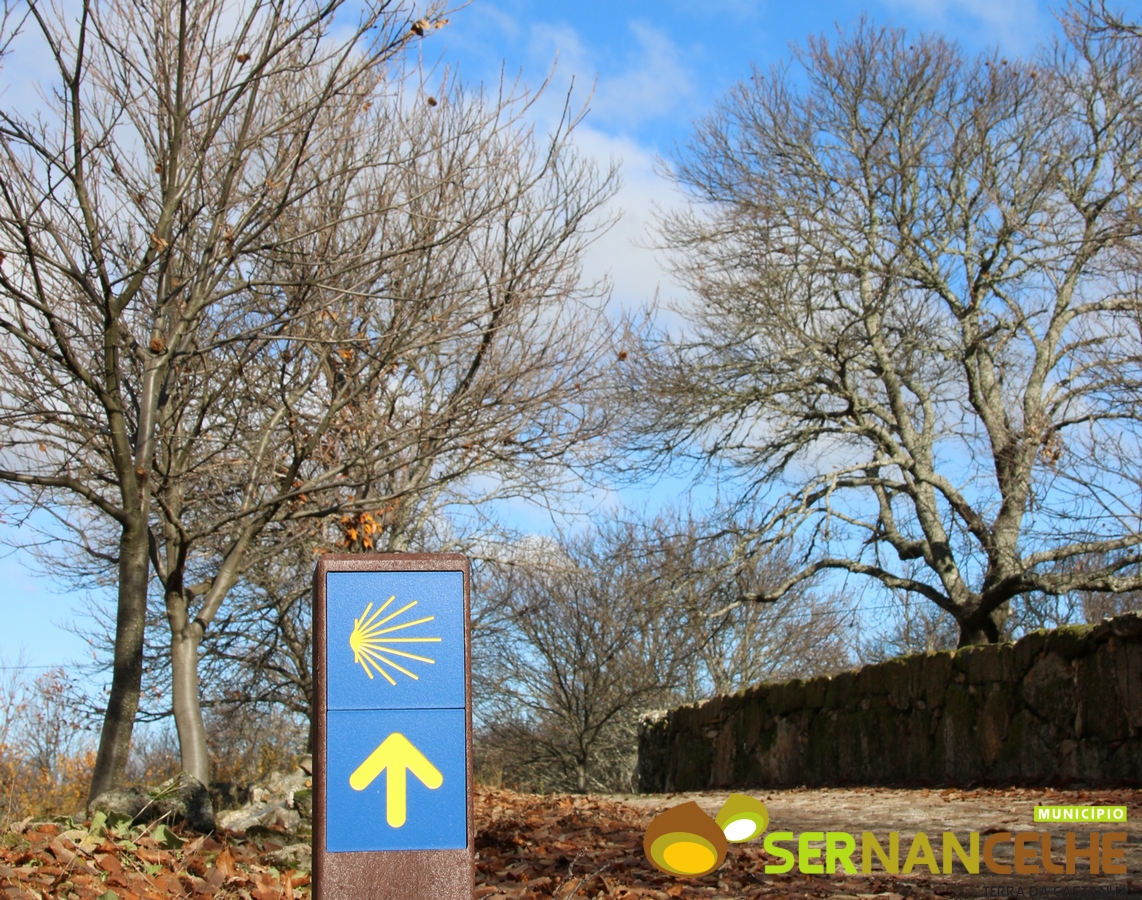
(392, 673)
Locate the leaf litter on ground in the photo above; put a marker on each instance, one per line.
(71, 861)
(528, 847)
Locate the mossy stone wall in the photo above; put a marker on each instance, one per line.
(1057, 706)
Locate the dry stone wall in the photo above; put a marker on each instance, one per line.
(1057, 706)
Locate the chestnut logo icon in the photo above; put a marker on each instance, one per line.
(684, 840)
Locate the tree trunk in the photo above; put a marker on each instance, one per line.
(127, 675)
(187, 712)
(980, 628)
(581, 773)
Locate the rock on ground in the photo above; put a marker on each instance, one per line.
(182, 800)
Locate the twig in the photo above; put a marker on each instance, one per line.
(585, 878)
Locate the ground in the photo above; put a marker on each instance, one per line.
(531, 847)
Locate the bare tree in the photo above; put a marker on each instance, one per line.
(430, 346)
(133, 201)
(915, 338)
(690, 564)
(575, 638)
(250, 280)
(571, 647)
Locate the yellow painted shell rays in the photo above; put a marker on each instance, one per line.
(371, 641)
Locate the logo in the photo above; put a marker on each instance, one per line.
(370, 645)
(685, 841)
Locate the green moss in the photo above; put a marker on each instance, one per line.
(303, 803)
(13, 841)
(1070, 641)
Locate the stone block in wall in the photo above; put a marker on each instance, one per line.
(1028, 649)
(937, 677)
(871, 680)
(840, 690)
(993, 722)
(922, 765)
(892, 686)
(690, 763)
(783, 762)
(1008, 668)
(887, 742)
(962, 760)
(820, 764)
(724, 754)
(747, 730)
(1101, 710)
(1081, 760)
(653, 757)
(1009, 764)
(987, 664)
(712, 713)
(1049, 689)
(1128, 625)
(787, 697)
(851, 747)
(1128, 667)
(815, 690)
(750, 723)
(1125, 761)
(914, 677)
(960, 660)
(1070, 641)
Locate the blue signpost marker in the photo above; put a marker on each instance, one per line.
(393, 752)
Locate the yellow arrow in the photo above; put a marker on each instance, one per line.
(399, 756)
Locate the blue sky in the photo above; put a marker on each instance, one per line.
(649, 70)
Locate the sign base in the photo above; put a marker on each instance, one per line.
(397, 875)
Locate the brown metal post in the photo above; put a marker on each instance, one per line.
(385, 874)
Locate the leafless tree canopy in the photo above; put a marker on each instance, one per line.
(916, 328)
(253, 276)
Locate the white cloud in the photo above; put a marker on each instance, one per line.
(622, 254)
(657, 83)
(501, 21)
(560, 42)
(1017, 26)
(656, 80)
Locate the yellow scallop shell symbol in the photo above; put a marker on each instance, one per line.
(370, 640)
